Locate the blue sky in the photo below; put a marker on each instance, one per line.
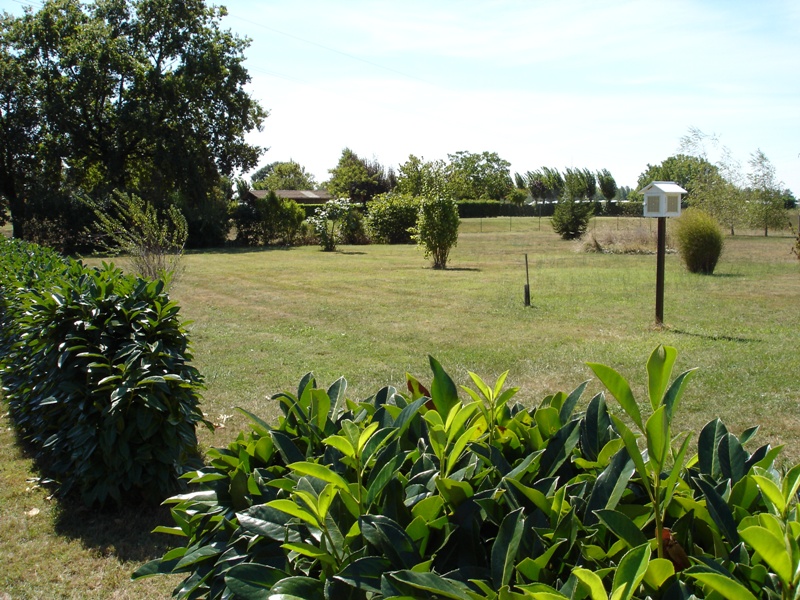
(595, 84)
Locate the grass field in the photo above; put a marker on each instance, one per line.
(263, 318)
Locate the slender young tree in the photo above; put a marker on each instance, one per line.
(766, 200)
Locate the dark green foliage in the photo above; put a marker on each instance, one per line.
(207, 219)
(268, 220)
(95, 370)
(474, 209)
(391, 216)
(700, 241)
(426, 494)
(571, 218)
(353, 229)
(142, 97)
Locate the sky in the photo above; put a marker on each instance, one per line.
(560, 83)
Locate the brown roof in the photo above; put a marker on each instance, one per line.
(299, 196)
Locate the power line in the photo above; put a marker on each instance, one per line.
(329, 49)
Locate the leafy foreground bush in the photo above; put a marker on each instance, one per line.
(700, 241)
(95, 370)
(426, 495)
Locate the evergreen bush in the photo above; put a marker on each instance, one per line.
(700, 240)
(571, 218)
(95, 370)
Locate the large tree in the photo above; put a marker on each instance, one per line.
(144, 96)
(682, 169)
(418, 177)
(474, 176)
(359, 179)
(283, 176)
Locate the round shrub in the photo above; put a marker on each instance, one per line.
(700, 241)
(390, 217)
(437, 228)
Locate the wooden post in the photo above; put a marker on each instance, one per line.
(527, 284)
(662, 250)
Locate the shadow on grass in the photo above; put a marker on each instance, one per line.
(124, 533)
(714, 337)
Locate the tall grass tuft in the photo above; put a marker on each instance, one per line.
(700, 241)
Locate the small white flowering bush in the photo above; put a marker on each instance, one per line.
(327, 222)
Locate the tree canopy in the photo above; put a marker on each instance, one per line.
(141, 96)
(359, 179)
(478, 176)
(283, 176)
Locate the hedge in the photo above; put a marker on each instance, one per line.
(437, 493)
(95, 368)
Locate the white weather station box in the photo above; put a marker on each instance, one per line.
(662, 199)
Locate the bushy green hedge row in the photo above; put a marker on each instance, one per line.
(95, 369)
(432, 494)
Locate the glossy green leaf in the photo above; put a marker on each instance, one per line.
(559, 448)
(622, 526)
(673, 396)
(566, 410)
(365, 573)
(609, 485)
(675, 471)
(454, 492)
(548, 421)
(461, 443)
(310, 551)
(431, 583)
(630, 572)
(251, 580)
(297, 588)
(531, 567)
(443, 391)
(342, 444)
(726, 586)
(291, 508)
(620, 389)
(658, 438)
(659, 370)
(791, 484)
(320, 472)
(633, 451)
(772, 549)
(391, 540)
(732, 458)
(505, 547)
(708, 448)
(658, 571)
(594, 584)
(720, 512)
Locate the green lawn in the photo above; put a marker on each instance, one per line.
(263, 318)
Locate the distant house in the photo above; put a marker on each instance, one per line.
(299, 196)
